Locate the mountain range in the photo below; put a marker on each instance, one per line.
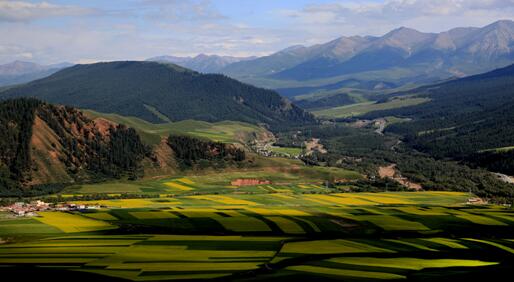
(159, 92)
(201, 63)
(18, 72)
(401, 56)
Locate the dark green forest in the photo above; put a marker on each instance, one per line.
(190, 152)
(135, 88)
(16, 119)
(464, 118)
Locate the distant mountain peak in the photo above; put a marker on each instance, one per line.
(201, 62)
(292, 48)
(503, 23)
(421, 56)
(403, 31)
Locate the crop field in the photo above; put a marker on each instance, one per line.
(72, 223)
(267, 237)
(289, 179)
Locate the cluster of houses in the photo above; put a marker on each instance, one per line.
(31, 208)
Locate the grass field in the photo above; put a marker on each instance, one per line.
(366, 107)
(225, 131)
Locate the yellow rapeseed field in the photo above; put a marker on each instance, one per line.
(338, 200)
(268, 211)
(178, 186)
(382, 200)
(185, 180)
(224, 200)
(72, 223)
(286, 225)
(282, 196)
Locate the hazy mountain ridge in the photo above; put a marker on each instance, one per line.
(457, 52)
(18, 72)
(201, 63)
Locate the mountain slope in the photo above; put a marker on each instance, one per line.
(401, 56)
(463, 118)
(161, 92)
(19, 72)
(44, 145)
(201, 63)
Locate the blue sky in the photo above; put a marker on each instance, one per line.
(53, 31)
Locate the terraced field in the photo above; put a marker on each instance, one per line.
(268, 236)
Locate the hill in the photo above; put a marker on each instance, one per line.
(45, 147)
(399, 57)
(464, 119)
(159, 92)
(42, 145)
(152, 134)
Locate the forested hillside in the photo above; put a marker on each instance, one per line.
(42, 145)
(190, 151)
(464, 119)
(161, 92)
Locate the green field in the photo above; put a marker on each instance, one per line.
(292, 178)
(268, 236)
(362, 108)
(224, 131)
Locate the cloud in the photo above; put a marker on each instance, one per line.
(180, 10)
(10, 51)
(367, 17)
(21, 11)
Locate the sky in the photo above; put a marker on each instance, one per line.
(87, 31)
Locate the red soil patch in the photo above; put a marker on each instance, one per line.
(249, 182)
(387, 171)
(390, 172)
(103, 125)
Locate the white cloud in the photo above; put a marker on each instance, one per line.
(14, 11)
(181, 10)
(375, 18)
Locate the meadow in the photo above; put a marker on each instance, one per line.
(366, 107)
(224, 131)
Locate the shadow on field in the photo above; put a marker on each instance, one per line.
(27, 273)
